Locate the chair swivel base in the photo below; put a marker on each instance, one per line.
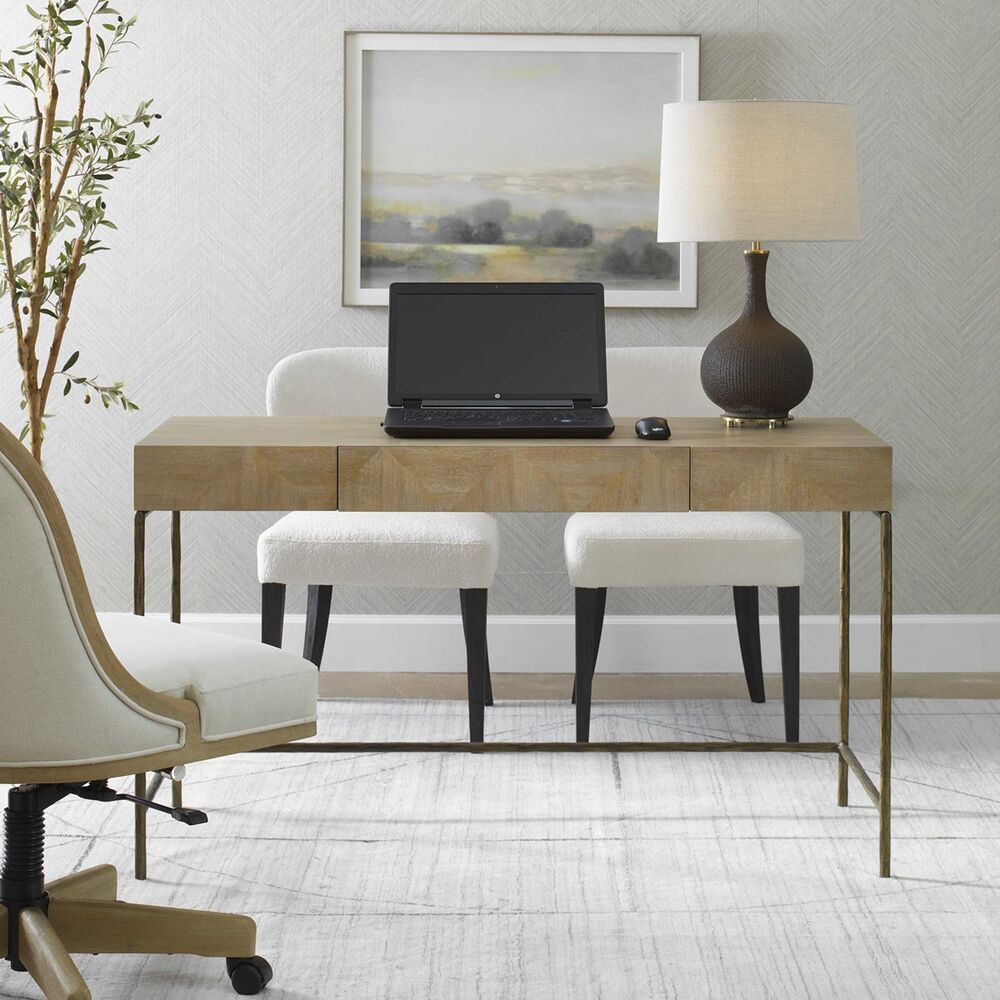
(42, 924)
(83, 915)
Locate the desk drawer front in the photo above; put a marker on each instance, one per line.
(235, 478)
(791, 478)
(504, 478)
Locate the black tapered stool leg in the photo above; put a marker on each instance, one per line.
(317, 622)
(602, 601)
(589, 624)
(489, 680)
(272, 613)
(746, 602)
(788, 627)
(474, 626)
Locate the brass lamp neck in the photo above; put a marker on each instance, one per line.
(755, 248)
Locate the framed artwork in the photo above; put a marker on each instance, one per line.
(512, 158)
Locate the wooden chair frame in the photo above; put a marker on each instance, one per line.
(82, 913)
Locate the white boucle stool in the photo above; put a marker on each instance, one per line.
(690, 549)
(324, 549)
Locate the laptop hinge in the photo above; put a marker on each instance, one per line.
(411, 404)
(582, 404)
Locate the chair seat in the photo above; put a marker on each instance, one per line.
(380, 549)
(240, 687)
(687, 549)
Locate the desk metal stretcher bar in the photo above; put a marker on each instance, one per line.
(254, 463)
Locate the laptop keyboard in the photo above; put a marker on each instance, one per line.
(439, 416)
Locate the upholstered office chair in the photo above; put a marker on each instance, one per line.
(323, 549)
(743, 550)
(83, 701)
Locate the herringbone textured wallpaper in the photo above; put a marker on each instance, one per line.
(227, 258)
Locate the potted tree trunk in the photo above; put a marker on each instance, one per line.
(57, 159)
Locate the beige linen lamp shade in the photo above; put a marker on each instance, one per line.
(758, 170)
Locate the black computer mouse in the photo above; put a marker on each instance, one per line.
(655, 428)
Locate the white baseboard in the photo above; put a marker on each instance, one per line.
(632, 644)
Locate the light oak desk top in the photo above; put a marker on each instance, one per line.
(349, 463)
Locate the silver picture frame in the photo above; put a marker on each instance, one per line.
(511, 157)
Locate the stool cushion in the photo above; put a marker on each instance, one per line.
(240, 687)
(687, 549)
(433, 549)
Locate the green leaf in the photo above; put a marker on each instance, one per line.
(73, 358)
(67, 387)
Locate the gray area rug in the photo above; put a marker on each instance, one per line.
(621, 877)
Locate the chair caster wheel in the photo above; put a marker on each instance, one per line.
(249, 975)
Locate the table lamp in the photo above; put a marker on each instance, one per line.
(757, 171)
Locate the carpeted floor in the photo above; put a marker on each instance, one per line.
(697, 877)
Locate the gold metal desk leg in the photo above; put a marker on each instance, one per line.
(885, 703)
(140, 828)
(175, 566)
(139, 564)
(139, 608)
(845, 651)
(177, 789)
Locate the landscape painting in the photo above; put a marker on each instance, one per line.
(512, 158)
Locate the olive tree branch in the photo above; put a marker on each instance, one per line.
(81, 105)
(65, 301)
(11, 279)
(45, 214)
(34, 186)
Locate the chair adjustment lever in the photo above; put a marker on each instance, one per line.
(98, 791)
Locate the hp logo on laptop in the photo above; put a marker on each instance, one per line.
(496, 395)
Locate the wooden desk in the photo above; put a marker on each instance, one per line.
(318, 463)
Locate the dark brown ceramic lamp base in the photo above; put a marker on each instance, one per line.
(756, 369)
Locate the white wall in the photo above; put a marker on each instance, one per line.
(228, 258)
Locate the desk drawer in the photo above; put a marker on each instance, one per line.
(789, 478)
(246, 477)
(563, 477)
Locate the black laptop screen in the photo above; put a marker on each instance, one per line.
(496, 342)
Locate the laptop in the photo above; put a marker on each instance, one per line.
(497, 360)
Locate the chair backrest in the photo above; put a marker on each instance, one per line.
(62, 700)
(657, 382)
(330, 382)
(352, 382)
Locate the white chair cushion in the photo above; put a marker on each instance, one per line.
(689, 549)
(240, 687)
(433, 549)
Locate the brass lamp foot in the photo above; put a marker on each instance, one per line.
(769, 422)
